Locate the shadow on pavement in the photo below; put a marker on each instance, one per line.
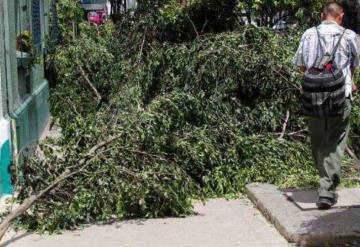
(335, 227)
(302, 196)
(14, 239)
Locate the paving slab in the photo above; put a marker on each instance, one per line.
(301, 223)
(218, 223)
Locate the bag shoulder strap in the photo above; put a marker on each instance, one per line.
(337, 45)
(319, 40)
(332, 55)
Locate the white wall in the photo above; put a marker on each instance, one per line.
(4, 122)
(4, 131)
(131, 4)
(2, 55)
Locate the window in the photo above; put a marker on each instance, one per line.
(36, 23)
(23, 35)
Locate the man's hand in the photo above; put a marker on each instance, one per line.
(354, 88)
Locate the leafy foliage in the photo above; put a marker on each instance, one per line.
(69, 12)
(267, 12)
(192, 120)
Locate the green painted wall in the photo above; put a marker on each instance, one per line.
(5, 160)
(31, 118)
(28, 112)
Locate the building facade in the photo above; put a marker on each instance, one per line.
(24, 91)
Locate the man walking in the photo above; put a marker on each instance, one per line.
(328, 55)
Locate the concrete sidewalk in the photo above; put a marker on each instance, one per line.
(219, 223)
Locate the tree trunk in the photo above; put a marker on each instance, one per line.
(248, 16)
(352, 15)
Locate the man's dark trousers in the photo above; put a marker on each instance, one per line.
(329, 136)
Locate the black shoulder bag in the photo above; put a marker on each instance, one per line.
(324, 88)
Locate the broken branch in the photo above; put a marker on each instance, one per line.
(27, 203)
(87, 80)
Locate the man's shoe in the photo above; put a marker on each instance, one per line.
(325, 203)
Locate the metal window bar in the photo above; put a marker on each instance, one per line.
(53, 24)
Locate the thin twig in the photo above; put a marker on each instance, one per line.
(72, 106)
(286, 79)
(157, 157)
(194, 27)
(55, 151)
(154, 156)
(281, 138)
(142, 48)
(296, 132)
(356, 179)
(203, 28)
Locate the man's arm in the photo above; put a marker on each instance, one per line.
(355, 59)
(354, 86)
(298, 59)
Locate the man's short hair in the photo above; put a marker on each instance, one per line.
(333, 9)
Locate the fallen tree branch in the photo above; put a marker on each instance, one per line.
(86, 78)
(352, 155)
(27, 203)
(281, 138)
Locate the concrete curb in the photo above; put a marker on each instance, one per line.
(336, 227)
